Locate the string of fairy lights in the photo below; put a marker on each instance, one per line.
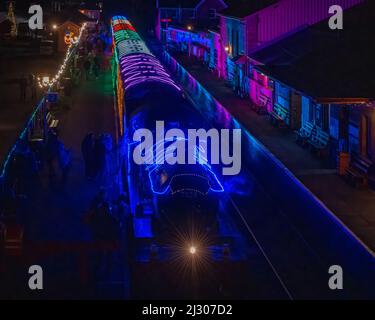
(45, 82)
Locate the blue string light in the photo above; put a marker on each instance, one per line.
(20, 138)
(200, 161)
(32, 117)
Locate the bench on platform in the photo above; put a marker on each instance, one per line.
(359, 170)
(52, 122)
(304, 133)
(261, 107)
(279, 116)
(13, 239)
(318, 140)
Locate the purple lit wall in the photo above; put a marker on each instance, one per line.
(204, 8)
(158, 25)
(193, 42)
(266, 26)
(274, 21)
(217, 53)
(288, 15)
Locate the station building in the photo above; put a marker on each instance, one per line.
(324, 78)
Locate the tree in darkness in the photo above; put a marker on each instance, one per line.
(12, 18)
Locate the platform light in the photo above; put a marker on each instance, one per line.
(227, 48)
(50, 82)
(189, 27)
(45, 80)
(54, 27)
(193, 250)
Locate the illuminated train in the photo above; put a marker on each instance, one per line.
(163, 198)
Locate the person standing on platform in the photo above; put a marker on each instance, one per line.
(88, 149)
(87, 67)
(96, 66)
(51, 154)
(100, 156)
(32, 84)
(64, 157)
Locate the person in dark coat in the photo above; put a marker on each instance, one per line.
(89, 45)
(100, 156)
(87, 67)
(88, 149)
(64, 159)
(32, 83)
(105, 231)
(96, 66)
(57, 158)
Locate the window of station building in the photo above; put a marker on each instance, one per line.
(305, 114)
(251, 70)
(282, 95)
(322, 116)
(233, 42)
(170, 13)
(263, 79)
(354, 144)
(365, 132)
(237, 43)
(212, 14)
(312, 112)
(188, 14)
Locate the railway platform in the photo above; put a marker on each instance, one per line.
(56, 236)
(354, 207)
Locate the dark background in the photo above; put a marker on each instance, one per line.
(141, 12)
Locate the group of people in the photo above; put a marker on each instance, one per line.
(92, 48)
(89, 59)
(92, 65)
(108, 221)
(30, 157)
(23, 175)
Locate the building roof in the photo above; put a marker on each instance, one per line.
(178, 3)
(69, 15)
(244, 8)
(325, 63)
(89, 5)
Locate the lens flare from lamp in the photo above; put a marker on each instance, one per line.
(193, 250)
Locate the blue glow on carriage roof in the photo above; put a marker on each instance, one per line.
(119, 18)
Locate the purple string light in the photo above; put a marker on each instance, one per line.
(137, 64)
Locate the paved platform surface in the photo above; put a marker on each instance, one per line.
(352, 206)
(56, 235)
(13, 111)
